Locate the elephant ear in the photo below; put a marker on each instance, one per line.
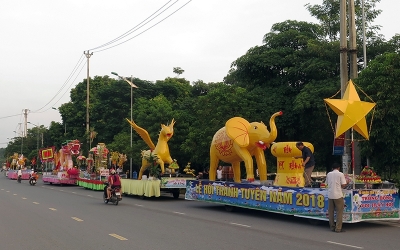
(237, 129)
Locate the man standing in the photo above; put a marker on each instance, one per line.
(308, 162)
(219, 173)
(336, 182)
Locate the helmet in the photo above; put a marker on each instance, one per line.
(112, 171)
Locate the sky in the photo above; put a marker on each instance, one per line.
(42, 45)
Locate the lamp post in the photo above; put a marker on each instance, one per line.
(37, 142)
(132, 86)
(65, 122)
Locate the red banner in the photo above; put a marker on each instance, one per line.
(47, 154)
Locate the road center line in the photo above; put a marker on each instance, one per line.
(52, 209)
(341, 244)
(23, 198)
(74, 192)
(118, 237)
(35, 202)
(2, 189)
(8, 191)
(241, 225)
(90, 195)
(138, 205)
(179, 213)
(14, 194)
(76, 218)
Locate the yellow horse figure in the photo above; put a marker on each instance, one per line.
(161, 150)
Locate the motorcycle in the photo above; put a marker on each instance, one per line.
(32, 180)
(116, 196)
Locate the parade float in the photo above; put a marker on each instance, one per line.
(96, 168)
(58, 166)
(18, 161)
(164, 176)
(366, 197)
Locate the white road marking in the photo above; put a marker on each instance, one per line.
(8, 191)
(52, 209)
(74, 192)
(241, 225)
(23, 198)
(76, 218)
(14, 194)
(118, 236)
(341, 244)
(89, 195)
(179, 213)
(61, 190)
(51, 188)
(35, 202)
(2, 189)
(138, 205)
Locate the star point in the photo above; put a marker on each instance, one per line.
(351, 111)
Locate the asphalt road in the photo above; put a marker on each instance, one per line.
(70, 217)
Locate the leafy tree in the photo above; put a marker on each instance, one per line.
(328, 14)
(380, 80)
(178, 71)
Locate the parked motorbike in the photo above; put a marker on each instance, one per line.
(116, 196)
(32, 180)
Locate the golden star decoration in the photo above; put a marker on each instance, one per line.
(351, 111)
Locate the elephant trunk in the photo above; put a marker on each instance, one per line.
(274, 131)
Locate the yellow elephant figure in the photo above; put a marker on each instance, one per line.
(239, 141)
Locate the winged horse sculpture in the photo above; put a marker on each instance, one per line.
(161, 150)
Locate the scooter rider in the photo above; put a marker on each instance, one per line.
(33, 174)
(19, 174)
(114, 181)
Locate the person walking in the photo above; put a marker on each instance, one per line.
(219, 173)
(335, 181)
(308, 162)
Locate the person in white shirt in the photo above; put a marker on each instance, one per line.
(335, 181)
(219, 173)
(19, 174)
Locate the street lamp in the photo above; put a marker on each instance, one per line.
(132, 86)
(65, 123)
(37, 144)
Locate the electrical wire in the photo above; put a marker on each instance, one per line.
(134, 28)
(4, 117)
(145, 29)
(65, 83)
(69, 86)
(96, 49)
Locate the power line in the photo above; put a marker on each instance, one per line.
(4, 117)
(129, 32)
(145, 29)
(133, 29)
(68, 79)
(66, 90)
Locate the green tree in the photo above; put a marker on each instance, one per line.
(178, 71)
(381, 82)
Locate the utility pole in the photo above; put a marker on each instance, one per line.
(88, 55)
(356, 157)
(130, 165)
(364, 42)
(24, 133)
(344, 74)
